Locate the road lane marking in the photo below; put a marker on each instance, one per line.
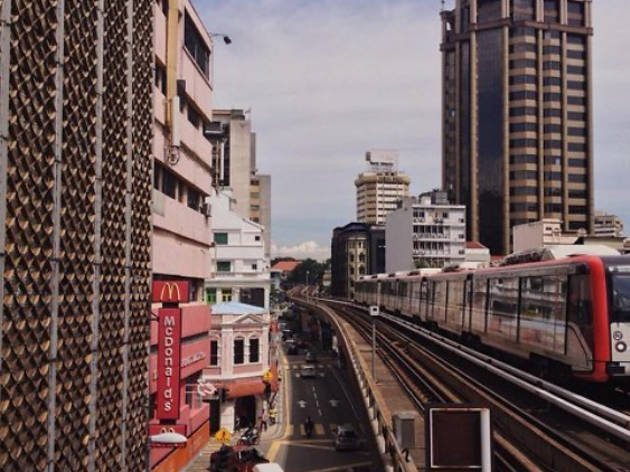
(319, 429)
(273, 450)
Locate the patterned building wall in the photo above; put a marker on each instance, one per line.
(75, 233)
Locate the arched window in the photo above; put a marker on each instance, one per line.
(239, 351)
(254, 350)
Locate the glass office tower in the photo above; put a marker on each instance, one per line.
(517, 114)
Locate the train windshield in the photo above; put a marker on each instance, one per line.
(620, 312)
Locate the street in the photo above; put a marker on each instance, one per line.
(327, 399)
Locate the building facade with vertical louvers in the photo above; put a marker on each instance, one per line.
(75, 233)
(517, 114)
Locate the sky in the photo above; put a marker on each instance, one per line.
(327, 80)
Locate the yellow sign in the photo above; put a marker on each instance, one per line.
(223, 436)
(268, 376)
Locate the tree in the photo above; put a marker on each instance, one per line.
(315, 272)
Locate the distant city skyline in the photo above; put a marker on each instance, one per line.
(328, 80)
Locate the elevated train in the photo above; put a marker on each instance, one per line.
(569, 316)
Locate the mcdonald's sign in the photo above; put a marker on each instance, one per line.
(170, 291)
(169, 363)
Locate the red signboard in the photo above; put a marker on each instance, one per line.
(155, 429)
(170, 291)
(168, 368)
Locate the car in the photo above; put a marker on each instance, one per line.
(346, 438)
(308, 371)
(311, 356)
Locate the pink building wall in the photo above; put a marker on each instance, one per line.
(194, 357)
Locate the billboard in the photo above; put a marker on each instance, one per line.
(168, 368)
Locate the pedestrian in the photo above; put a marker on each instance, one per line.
(263, 421)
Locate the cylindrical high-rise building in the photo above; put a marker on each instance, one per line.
(517, 114)
(76, 117)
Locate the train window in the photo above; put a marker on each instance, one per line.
(439, 299)
(503, 307)
(580, 311)
(455, 302)
(543, 312)
(620, 298)
(479, 305)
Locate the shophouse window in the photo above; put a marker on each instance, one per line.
(193, 198)
(214, 352)
(224, 266)
(169, 182)
(211, 296)
(254, 350)
(239, 351)
(196, 46)
(254, 266)
(191, 389)
(220, 238)
(193, 116)
(226, 295)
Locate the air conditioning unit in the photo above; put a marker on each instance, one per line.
(206, 209)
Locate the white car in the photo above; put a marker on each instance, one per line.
(308, 371)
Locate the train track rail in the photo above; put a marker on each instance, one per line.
(538, 426)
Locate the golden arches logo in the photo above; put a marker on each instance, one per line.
(170, 288)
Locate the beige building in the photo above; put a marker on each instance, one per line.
(380, 187)
(182, 168)
(607, 225)
(235, 164)
(260, 206)
(539, 234)
(517, 114)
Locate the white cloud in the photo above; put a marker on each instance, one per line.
(328, 80)
(302, 251)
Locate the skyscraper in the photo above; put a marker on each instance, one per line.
(517, 114)
(381, 187)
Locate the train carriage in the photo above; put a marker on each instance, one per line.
(571, 314)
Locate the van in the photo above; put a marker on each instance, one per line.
(270, 467)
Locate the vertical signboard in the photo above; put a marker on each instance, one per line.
(168, 368)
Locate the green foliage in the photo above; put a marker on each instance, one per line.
(315, 272)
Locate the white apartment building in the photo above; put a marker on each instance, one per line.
(607, 225)
(425, 232)
(240, 270)
(380, 187)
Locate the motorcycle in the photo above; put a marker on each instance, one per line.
(249, 437)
